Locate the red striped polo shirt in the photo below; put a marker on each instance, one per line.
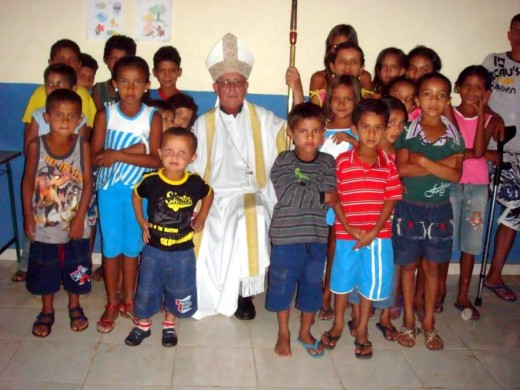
(363, 189)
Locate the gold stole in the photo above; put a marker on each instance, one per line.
(249, 199)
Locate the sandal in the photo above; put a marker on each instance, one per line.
(98, 274)
(361, 349)
(169, 337)
(439, 306)
(311, 349)
(107, 326)
(431, 339)
(502, 291)
(396, 309)
(406, 337)
(137, 336)
(326, 314)
(124, 310)
(46, 320)
(76, 314)
(331, 342)
(389, 332)
(19, 276)
(352, 327)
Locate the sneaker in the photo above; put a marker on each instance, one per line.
(169, 337)
(137, 336)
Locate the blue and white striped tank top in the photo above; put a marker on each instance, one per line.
(122, 132)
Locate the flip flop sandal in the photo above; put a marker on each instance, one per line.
(389, 333)
(19, 276)
(351, 327)
(98, 274)
(311, 347)
(46, 320)
(501, 290)
(362, 347)
(75, 314)
(331, 339)
(475, 314)
(107, 326)
(430, 337)
(408, 335)
(326, 314)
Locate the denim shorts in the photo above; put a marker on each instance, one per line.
(422, 229)
(469, 203)
(119, 228)
(370, 269)
(166, 278)
(296, 267)
(50, 265)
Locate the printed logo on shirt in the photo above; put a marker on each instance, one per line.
(438, 189)
(504, 77)
(176, 202)
(184, 305)
(80, 275)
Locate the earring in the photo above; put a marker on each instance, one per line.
(117, 90)
(145, 90)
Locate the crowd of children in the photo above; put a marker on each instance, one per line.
(383, 180)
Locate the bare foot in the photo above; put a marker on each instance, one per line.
(283, 345)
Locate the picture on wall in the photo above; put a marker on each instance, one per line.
(104, 18)
(154, 20)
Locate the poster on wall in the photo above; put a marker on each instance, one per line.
(154, 20)
(104, 18)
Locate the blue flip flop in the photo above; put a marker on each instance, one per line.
(309, 347)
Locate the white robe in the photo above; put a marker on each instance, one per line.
(223, 262)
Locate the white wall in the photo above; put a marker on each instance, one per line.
(461, 31)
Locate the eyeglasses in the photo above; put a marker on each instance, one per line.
(237, 83)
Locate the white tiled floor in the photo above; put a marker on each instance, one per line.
(224, 353)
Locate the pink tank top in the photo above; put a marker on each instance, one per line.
(474, 170)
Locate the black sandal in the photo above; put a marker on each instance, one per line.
(75, 314)
(40, 321)
(169, 337)
(137, 336)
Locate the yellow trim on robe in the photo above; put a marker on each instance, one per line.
(252, 233)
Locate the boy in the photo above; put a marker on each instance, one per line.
(166, 111)
(167, 268)
(167, 69)
(56, 189)
(368, 188)
(65, 52)
(87, 71)
(55, 76)
(305, 183)
(116, 47)
(184, 109)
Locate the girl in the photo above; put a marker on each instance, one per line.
(319, 80)
(343, 93)
(132, 125)
(469, 196)
(422, 60)
(404, 90)
(391, 63)
(429, 157)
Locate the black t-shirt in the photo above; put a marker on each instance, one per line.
(170, 208)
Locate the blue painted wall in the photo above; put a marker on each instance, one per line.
(13, 98)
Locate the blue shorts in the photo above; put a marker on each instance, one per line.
(369, 268)
(296, 266)
(119, 228)
(469, 202)
(166, 278)
(353, 297)
(422, 230)
(50, 265)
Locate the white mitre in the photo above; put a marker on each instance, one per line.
(229, 55)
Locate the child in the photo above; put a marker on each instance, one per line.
(65, 52)
(429, 157)
(391, 63)
(422, 60)
(122, 125)
(56, 190)
(116, 47)
(55, 76)
(343, 93)
(319, 80)
(167, 267)
(167, 69)
(368, 188)
(166, 111)
(349, 59)
(404, 90)
(469, 196)
(87, 71)
(185, 110)
(304, 180)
